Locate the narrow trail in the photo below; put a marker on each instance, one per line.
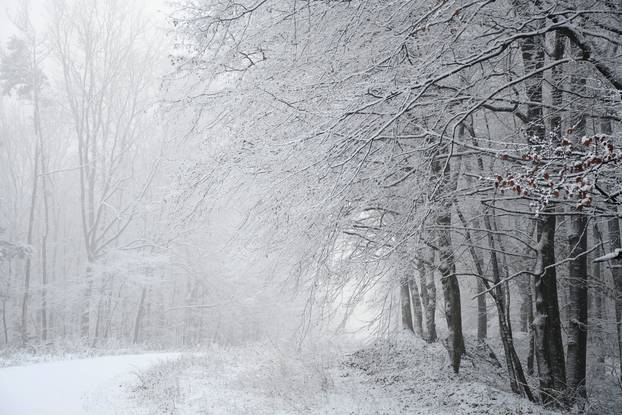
(71, 387)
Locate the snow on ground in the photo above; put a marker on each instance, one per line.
(71, 387)
(258, 379)
(404, 376)
(421, 375)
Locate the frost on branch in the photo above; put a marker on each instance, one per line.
(568, 169)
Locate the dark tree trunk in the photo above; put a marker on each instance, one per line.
(518, 381)
(546, 323)
(547, 326)
(576, 358)
(482, 315)
(446, 265)
(613, 226)
(531, 356)
(577, 307)
(596, 298)
(613, 230)
(482, 308)
(407, 319)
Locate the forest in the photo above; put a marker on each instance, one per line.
(378, 206)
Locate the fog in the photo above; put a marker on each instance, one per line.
(310, 207)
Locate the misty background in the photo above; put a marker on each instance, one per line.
(312, 206)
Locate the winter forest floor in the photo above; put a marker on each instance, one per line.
(406, 376)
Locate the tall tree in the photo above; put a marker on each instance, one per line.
(576, 359)
(100, 46)
(20, 71)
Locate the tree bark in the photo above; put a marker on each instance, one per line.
(407, 319)
(546, 323)
(547, 326)
(596, 298)
(416, 305)
(613, 230)
(576, 359)
(482, 308)
(428, 296)
(518, 381)
(482, 314)
(447, 267)
(613, 227)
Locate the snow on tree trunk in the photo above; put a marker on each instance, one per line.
(446, 264)
(415, 303)
(596, 294)
(518, 382)
(576, 358)
(577, 307)
(482, 314)
(547, 327)
(428, 295)
(549, 349)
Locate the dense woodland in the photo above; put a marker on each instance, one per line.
(254, 167)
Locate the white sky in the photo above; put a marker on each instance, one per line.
(38, 8)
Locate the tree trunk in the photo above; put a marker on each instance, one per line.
(596, 298)
(139, 315)
(613, 226)
(428, 296)
(576, 358)
(28, 266)
(546, 323)
(44, 243)
(613, 230)
(416, 305)
(482, 308)
(85, 318)
(4, 327)
(99, 311)
(547, 326)
(447, 267)
(525, 304)
(482, 314)
(407, 319)
(518, 382)
(531, 356)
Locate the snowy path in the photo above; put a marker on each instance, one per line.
(72, 387)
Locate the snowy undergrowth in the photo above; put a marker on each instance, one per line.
(260, 379)
(405, 375)
(420, 375)
(604, 389)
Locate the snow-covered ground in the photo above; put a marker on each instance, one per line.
(73, 387)
(408, 376)
(402, 376)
